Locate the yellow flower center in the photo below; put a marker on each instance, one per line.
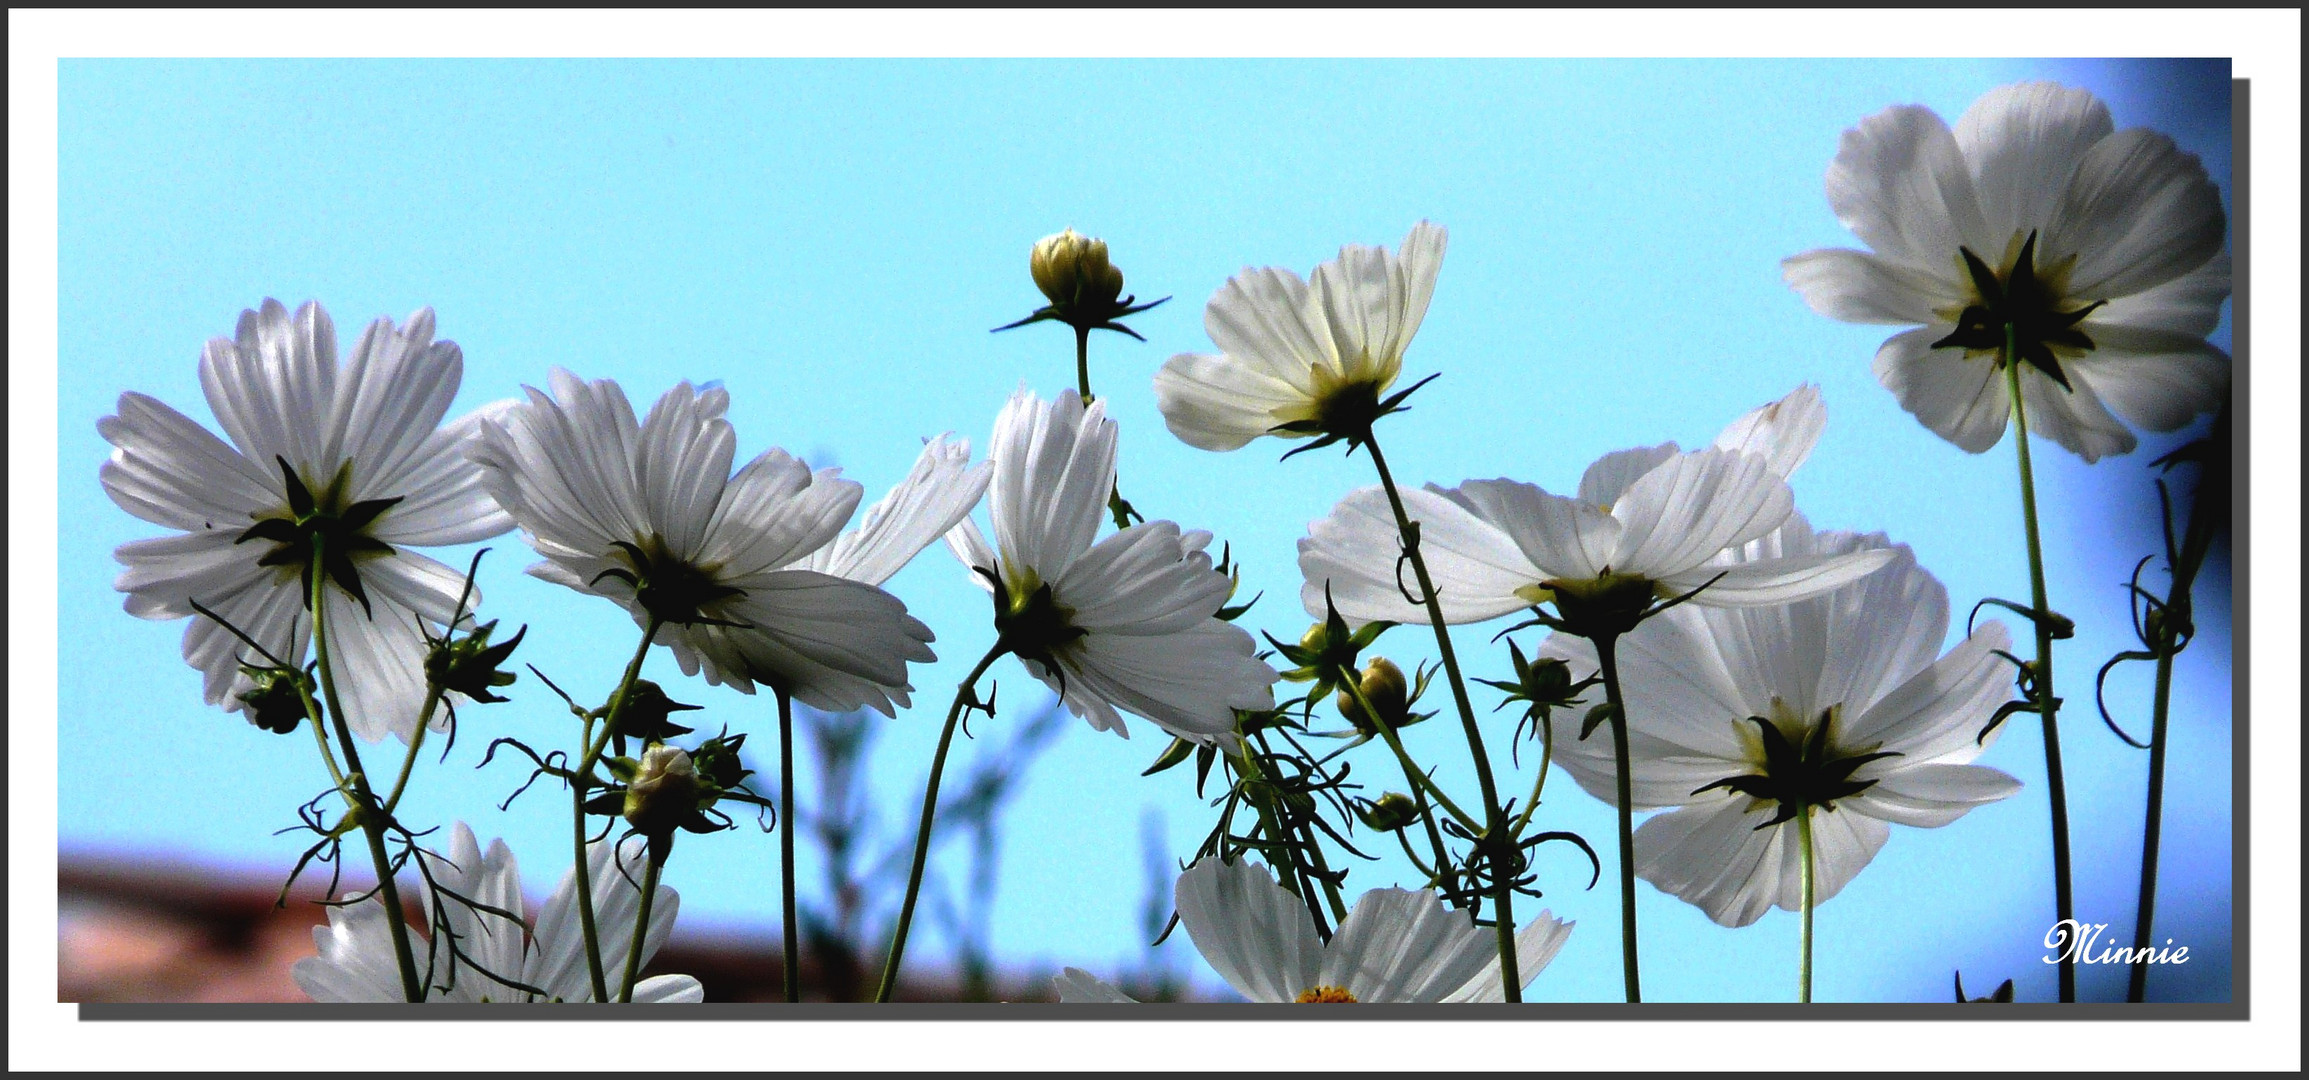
(1325, 995)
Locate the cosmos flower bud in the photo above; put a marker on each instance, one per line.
(1386, 689)
(1393, 811)
(1072, 270)
(469, 665)
(664, 791)
(1547, 680)
(273, 703)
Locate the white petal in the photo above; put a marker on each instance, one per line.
(1899, 182)
(1271, 321)
(1858, 287)
(1141, 581)
(1843, 844)
(1693, 506)
(2156, 379)
(615, 872)
(171, 471)
(356, 960)
(2139, 213)
(1559, 537)
(1373, 301)
(1189, 682)
(1684, 713)
(773, 513)
(1960, 398)
(1076, 986)
(668, 990)
(1219, 402)
(1053, 471)
(164, 574)
(972, 551)
(1475, 566)
(2189, 304)
(389, 402)
(834, 644)
(444, 497)
(1937, 714)
(1400, 945)
(1253, 932)
(269, 384)
(1879, 631)
(681, 463)
(940, 491)
(2073, 416)
(1773, 581)
(1710, 854)
(488, 944)
(1783, 432)
(378, 660)
(1608, 479)
(2023, 142)
(1535, 946)
(1929, 796)
(563, 467)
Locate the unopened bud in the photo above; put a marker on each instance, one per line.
(1385, 688)
(274, 703)
(1072, 270)
(1547, 680)
(1393, 811)
(664, 791)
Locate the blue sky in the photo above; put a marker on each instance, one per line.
(832, 239)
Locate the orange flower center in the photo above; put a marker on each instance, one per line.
(1325, 995)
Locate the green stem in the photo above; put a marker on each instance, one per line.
(2208, 510)
(372, 816)
(1804, 966)
(577, 789)
(1607, 658)
(640, 930)
(1082, 363)
(424, 723)
(2041, 683)
(2137, 985)
(963, 695)
(1495, 827)
(1538, 783)
(793, 933)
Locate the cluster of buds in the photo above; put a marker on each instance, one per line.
(669, 789)
(1084, 288)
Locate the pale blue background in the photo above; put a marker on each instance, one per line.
(833, 239)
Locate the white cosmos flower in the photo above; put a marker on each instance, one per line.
(1291, 350)
(1397, 945)
(1853, 674)
(613, 505)
(1126, 623)
(1655, 519)
(356, 961)
(364, 444)
(2103, 246)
